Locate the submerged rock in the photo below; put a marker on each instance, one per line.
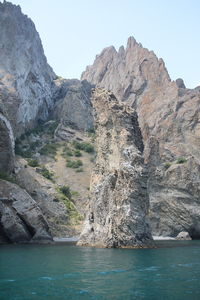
(119, 202)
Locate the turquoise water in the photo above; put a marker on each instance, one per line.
(70, 272)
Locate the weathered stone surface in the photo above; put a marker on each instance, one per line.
(26, 80)
(6, 145)
(183, 235)
(45, 195)
(169, 118)
(21, 219)
(119, 201)
(72, 106)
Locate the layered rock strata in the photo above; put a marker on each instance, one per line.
(119, 202)
(169, 118)
(21, 220)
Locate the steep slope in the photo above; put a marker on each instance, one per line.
(72, 106)
(21, 219)
(119, 201)
(168, 115)
(26, 80)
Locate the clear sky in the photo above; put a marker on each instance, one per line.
(74, 31)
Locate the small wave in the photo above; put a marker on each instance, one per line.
(46, 278)
(111, 271)
(152, 268)
(9, 280)
(82, 292)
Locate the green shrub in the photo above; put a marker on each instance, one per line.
(33, 163)
(75, 164)
(87, 147)
(69, 153)
(65, 195)
(181, 160)
(47, 174)
(167, 165)
(49, 150)
(77, 153)
(91, 130)
(5, 176)
(51, 127)
(65, 190)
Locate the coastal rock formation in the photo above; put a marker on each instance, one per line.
(21, 220)
(6, 145)
(183, 235)
(119, 201)
(169, 118)
(72, 106)
(26, 80)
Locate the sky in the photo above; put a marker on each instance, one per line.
(73, 32)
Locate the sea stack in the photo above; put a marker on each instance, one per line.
(119, 202)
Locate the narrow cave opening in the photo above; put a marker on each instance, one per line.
(194, 232)
(3, 236)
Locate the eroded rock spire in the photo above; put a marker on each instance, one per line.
(119, 201)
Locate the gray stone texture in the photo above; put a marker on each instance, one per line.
(119, 200)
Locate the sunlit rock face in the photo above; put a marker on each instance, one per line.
(169, 119)
(6, 145)
(26, 80)
(119, 201)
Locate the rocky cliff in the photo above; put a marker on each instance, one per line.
(119, 201)
(72, 106)
(168, 115)
(21, 220)
(26, 79)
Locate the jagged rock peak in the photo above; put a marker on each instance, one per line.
(25, 76)
(119, 201)
(128, 72)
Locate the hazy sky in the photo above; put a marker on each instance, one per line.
(74, 31)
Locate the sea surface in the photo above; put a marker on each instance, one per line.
(171, 272)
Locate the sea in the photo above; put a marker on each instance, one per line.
(64, 271)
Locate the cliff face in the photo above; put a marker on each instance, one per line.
(25, 77)
(119, 201)
(168, 116)
(7, 145)
(20, 217)
(72, 105)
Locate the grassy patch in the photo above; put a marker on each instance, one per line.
(5, 176)
(49, 150)
(47, 174)
(77, 153)
(87, 147)
(181, 160)
(65, 190)
(75, 164)
(33, 163)
(65, 195)
(167, 165)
